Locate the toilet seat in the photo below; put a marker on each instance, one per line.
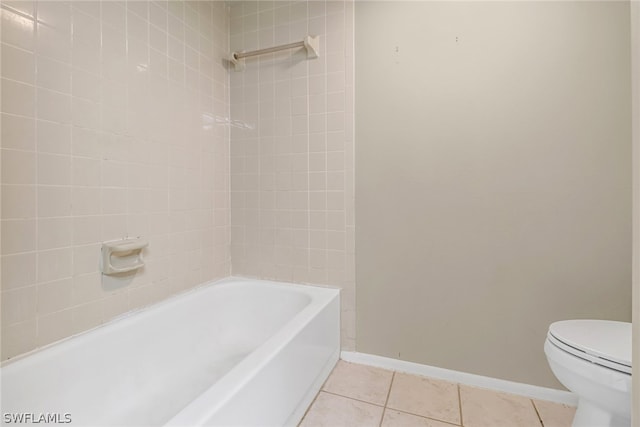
(603, 342)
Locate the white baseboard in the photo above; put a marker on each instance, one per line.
(531, 391)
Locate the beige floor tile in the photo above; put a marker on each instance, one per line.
(486, 408)
(426, 397)
(555, 414)
(329, 410)
(359, 382)
(393, 418)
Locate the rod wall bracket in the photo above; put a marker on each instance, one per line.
(312, 44)
(238, 63)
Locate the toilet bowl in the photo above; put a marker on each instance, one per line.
(592, 358)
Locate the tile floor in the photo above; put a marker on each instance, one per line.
(361, 396)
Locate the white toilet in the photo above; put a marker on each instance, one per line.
(592, 358)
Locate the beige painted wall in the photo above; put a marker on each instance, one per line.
(493, 178)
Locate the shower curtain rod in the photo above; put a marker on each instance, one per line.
(310, 43)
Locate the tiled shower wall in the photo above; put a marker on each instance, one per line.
(292, 214)
(113, 125)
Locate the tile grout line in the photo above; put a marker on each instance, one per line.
(460, 403)
(426, 418)
(317, 395)
(535, 408)
(352, 398)
(393, 376)
(384, 409)
(309, 407)
(422, 416)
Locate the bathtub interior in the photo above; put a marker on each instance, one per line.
(120, 373)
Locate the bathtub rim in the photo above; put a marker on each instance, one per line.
(172, 299)
(233, 381)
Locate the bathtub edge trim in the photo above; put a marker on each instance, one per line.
(307, 400)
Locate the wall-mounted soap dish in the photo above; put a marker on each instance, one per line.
(122, 256)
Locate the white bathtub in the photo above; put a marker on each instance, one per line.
(235, 352)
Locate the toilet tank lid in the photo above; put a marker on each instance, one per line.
(606, 339)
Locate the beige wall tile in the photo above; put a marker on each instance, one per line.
(18, 201)
(18, 32)
(84, 259)
(55, 296)
(53, 106)
(54, 264)
(54, 233)
(18, 338)
(18, 167)
(17, 98)
(18, 64)
(114, 305)
(18, 270)
(86, 172)
(54, 327)
(53, 75)
(86, 201)
(53, 137)
(86, 230)
(87, 316)
(17, 132)
(54, 201)
(18, 236)
(19, 305)
(54, 169)
(141, 296)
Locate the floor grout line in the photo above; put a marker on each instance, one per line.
(393, 375)
(316, 396)
(309, 407)
(352, 398)
(460, 403)
(382, 417)
(426, 418)
(535, 408)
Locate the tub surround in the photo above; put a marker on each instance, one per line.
(292, 162)
(113, 126)
(124, 129)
